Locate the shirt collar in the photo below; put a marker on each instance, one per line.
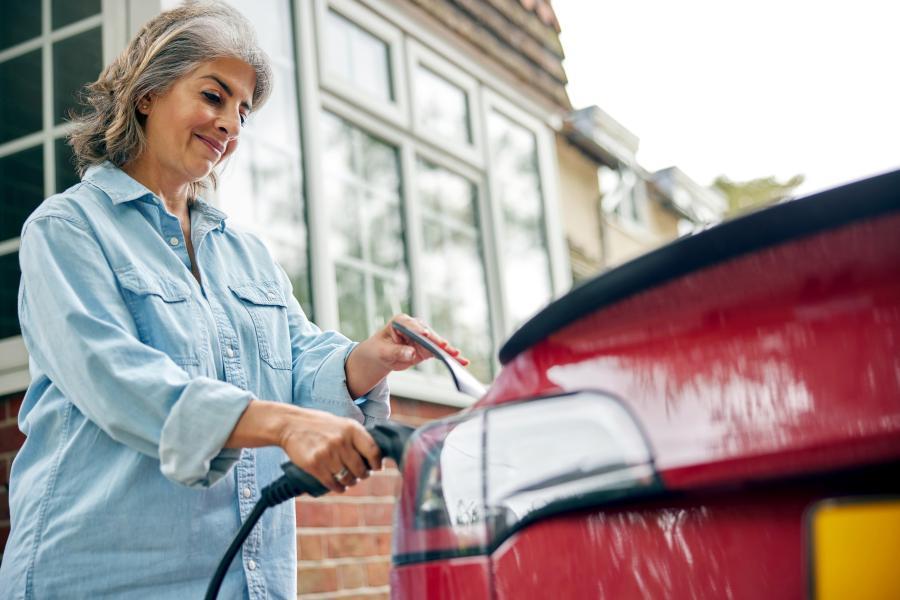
(121, 187)
(116, 183)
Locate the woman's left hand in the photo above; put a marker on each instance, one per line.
(389, 350)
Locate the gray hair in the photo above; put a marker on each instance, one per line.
(167, 48)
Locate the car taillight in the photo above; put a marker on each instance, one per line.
(472, 480)
(441, 511)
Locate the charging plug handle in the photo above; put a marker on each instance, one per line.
(390, 437)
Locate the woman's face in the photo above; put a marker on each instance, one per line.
(196, 123)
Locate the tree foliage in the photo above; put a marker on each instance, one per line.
(744, 196)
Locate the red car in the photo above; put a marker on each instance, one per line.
(719, 418)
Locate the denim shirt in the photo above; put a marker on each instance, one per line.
(138, 375)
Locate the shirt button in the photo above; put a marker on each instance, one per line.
(174, 241)
(229, 352)
(251, 564)
(247, 492)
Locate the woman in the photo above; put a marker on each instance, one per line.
(172, 368)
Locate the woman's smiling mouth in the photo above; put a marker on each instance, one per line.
(212, 145)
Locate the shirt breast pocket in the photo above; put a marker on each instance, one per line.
(163, 313)
(264, 302)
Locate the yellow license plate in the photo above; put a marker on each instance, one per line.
(854, 549)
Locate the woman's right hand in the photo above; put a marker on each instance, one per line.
(320, 443)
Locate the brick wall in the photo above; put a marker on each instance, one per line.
(343, 542)
(11, 440)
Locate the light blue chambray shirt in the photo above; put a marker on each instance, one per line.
(122, 488)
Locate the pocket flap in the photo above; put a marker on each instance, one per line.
(143, 283)
(263, 293)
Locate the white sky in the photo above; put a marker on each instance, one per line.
(746, 89)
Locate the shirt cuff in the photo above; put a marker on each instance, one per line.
(193, 435)
(330, 391)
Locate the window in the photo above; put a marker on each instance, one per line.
(624, 194)
(452, 263)
(362, 193)
(517, 190)
(442, 107)
(357, 56)
(43, 64)
(359, 59)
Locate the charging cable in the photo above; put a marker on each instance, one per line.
(391, 439)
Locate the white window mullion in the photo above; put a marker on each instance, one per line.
(322, 268)
(560, 269)
(412, 227)
(47, 100)
(491, 219)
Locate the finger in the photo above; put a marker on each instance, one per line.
(354, 464)
(326, 478)
(366, 446)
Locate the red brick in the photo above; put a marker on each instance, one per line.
(382, 543)
(4, 505)
(351, 576)
(378, 573)
(350, 545)
(363, 488)
(310, 547)
(347, 515)
(377, 514)
(13, 405)
(317, 579)
(315, 514)
(386, 483)
(11, 438)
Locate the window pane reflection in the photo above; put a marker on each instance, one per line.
(66, 175)
(272, 21)
(351, 303)
(76, 61)
(362, 193)
(442, 107)
(526, 264)
(20, 96)
(452, 274)
(65, 12)
(357, 56)
(21, 21)
(9, 290)
(21, 189)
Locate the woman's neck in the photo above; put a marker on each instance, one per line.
(151, 175)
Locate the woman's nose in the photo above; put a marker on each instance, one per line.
(230, 125)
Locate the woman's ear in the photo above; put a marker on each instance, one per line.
(144, 105)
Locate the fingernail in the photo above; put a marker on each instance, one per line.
(409, 353)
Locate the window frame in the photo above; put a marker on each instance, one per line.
(560, 274)
(418, 55)
(397, 112)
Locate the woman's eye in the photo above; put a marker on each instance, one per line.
(243, 120)
(214, 98)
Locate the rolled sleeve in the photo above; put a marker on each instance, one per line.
(193, 436)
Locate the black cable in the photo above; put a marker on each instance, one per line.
(293, 483)
(212, 592)
(391, 439)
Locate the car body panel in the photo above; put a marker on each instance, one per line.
(780, 361)
(443, 580)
